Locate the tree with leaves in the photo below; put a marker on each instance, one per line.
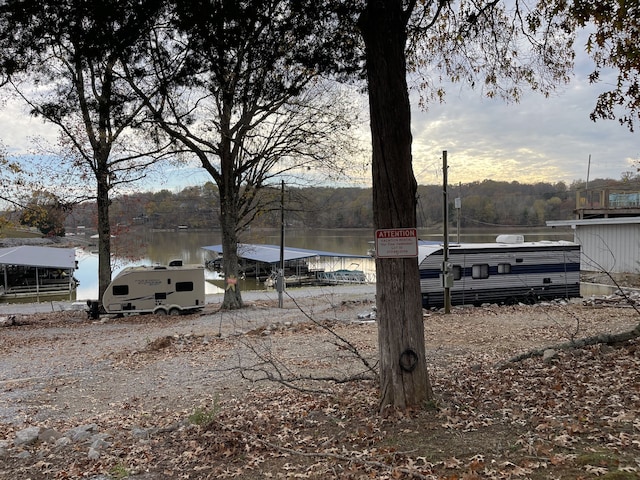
(613, 30)
(64, 59)
(224, 81)
(45, 211)
(499, 47)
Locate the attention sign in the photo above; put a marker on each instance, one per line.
(397, 243)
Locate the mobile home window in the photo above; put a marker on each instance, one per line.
(121, 289)
(504, 268)
(184, 286)
(480, 271)
(457, 272)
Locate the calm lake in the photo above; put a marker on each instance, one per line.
(148, 247)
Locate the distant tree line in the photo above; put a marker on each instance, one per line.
(486, 203)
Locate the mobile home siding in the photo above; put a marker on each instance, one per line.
(610, 248)
(608, 244)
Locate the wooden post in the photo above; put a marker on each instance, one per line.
(280, 278)
(445, 223)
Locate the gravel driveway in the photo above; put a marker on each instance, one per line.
(57, 363)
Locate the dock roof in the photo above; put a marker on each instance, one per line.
(30, 256)
(271, 253)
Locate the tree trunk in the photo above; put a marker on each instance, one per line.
(232, 296)
(229, 187)
(104, 232)
(404, 380)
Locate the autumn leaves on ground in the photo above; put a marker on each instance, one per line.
(576, 415)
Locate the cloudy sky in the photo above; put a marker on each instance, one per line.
(539, 139)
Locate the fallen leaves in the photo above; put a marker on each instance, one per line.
(577, 416)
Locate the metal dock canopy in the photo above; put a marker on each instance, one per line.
(30, 271)
(271, 253)
(63, 258)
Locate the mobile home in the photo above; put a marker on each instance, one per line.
(172, 290)
(508, 271)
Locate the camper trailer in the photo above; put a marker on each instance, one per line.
(168, 290)
(508, 272)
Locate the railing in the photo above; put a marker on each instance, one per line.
(342, 277)
(599, 199)
(33, 290)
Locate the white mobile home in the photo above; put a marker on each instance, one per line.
(608, 244)
(500, 272)
(171, 290)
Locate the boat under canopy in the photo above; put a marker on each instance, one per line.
(262, 261)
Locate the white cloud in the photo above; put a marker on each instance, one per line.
(539, 138)
(18, 128)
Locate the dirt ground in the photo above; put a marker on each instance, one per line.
(208, 395)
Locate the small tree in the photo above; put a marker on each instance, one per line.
(45, 212)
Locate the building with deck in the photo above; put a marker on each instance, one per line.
(607, 226)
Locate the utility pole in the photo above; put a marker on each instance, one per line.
(446, 275)
(280, 277)
(458, 205)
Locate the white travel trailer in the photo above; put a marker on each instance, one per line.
(508, 271)
(167, 290)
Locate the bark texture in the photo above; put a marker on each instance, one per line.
(404, 379)
(104, 230)
(229, 186)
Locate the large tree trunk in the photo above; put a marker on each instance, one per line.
(404, 380)
(104, 233)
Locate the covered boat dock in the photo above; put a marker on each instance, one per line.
(29, 271)
(302, 266)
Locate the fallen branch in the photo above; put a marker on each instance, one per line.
(602, 339)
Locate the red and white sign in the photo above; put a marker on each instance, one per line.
(397, 243)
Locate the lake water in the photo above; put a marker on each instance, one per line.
(148, 247)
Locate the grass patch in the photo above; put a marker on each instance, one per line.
(620, 475)
(119, 471)
(204, 416)
(598, 459)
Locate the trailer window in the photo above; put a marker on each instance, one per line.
(121, 289)
(457, 272)
(480, 271)
(504, 268)
(184, 286)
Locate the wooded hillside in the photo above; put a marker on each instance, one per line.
(486, 203)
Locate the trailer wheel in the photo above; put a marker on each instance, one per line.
(160, 311)
(174, 311)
